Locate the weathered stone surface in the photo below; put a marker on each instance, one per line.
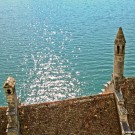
(13, 126)
(10, 83)
(93, 115)
(120, 36)
(3, 120)
(119, 53)
(128, 90)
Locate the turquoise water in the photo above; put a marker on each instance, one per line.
(59, 49)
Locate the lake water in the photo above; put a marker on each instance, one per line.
(59, 49)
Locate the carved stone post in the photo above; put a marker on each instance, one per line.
(13, 127)
(119, 54)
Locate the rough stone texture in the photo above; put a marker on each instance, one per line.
(118, 82)
(93, 115)
(13, 127)
(128, 90)
(119, 53)
(3, 120)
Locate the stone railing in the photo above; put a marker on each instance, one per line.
(122, 114)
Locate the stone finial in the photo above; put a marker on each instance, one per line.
(120, 37)
(9, 83)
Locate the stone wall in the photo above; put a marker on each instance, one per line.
(93, 115)
(3, 120)
(118, 82)
(128, 90)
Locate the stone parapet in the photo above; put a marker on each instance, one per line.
(13, 126)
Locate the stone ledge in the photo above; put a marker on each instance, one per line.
(11, 129)
(119, 98)
(126, 129)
